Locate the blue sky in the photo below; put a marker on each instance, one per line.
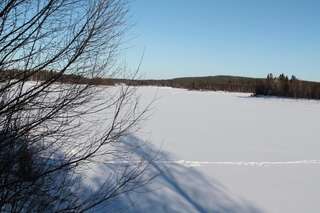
(224, 37)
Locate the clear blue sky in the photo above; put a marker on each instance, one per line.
(225, 37)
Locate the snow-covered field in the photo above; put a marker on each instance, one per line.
(228, 152)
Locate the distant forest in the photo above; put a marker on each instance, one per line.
(281, 86)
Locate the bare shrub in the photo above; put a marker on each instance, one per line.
(48, 131)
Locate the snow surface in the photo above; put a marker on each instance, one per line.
(227, 152)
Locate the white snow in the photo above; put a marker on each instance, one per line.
(226, 152)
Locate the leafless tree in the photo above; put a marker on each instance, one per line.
(49, 134)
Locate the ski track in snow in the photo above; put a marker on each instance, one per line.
(248, 163)
(228, 163)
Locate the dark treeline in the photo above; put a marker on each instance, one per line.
(47, 75)
(280, 86)
(225, 83)
(215, 83)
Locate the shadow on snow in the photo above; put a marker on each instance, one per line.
(175, 188)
